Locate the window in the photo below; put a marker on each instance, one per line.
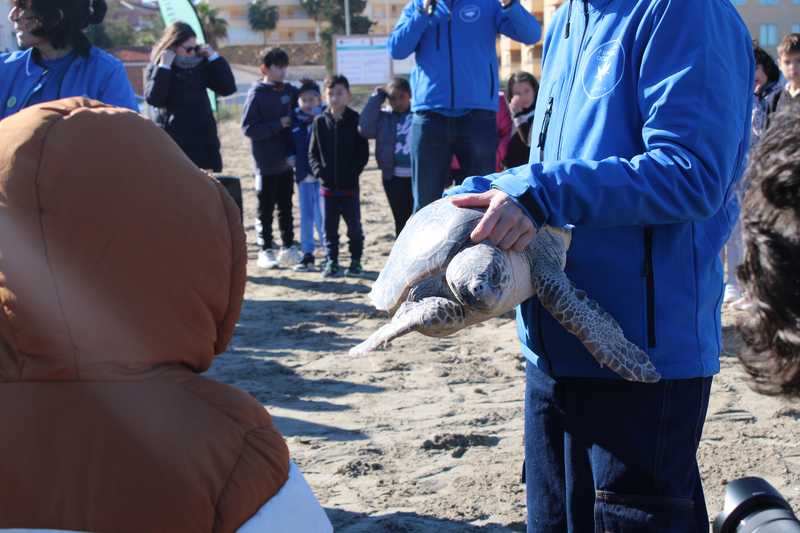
(768, 35)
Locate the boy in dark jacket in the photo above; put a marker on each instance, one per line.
(337, 155)
(266, 120)
(308, 107)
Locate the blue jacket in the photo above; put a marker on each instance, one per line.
(301, 137)
(272, 144)
(641, 130)
(455, 50)
(99, 76)
(375, 123)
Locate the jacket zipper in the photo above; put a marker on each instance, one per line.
(491, 83)
(335, 153)
(545, 125)
(450, 57)
(574, 74)
(651, 289)
(438, 32)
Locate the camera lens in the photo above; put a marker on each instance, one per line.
(754, 506)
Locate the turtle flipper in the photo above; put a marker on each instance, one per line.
(599, 332)
(432, 316)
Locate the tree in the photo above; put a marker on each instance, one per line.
(262, 17)
(332, 11)
(214, 26)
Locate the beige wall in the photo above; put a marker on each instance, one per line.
(783, 15)
(294, 25)
(7, 39)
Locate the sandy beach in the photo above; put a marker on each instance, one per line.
(427, 435)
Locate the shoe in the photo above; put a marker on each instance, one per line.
(732, 293)
(267, 259)
(354, 269)
(305, 265)
(331, 269)
(289, 256)
(743, 304)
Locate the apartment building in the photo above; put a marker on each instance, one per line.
(7, 39)
(769, 20)
(294, 25)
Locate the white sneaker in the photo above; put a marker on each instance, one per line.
(267, 259)
(732, 293)
(288, 257)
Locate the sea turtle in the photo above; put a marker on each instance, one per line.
(437, 282)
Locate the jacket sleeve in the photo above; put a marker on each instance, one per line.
(370, 115)
(157, 85)
(314, 150)
(117, 89)
(516, 22)
(220, 77)
(253, 125)
(362, 152)
(695, 136)
(408, 31)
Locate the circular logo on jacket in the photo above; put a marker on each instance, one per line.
(469, 13)
(603, 69)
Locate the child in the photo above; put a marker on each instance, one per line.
(789, 63)
(307, 183)
(391, 131)
(267, 120)
(337, 155)
(522, 91)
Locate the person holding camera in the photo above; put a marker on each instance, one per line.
(57, 60)
(180, 73)
(455, 84)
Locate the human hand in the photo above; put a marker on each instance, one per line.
(380, 90)
(205, 51)
(167, 57)
(515, 106)
(286, 121)
(436, 9)
(505, 3)
(504, 224)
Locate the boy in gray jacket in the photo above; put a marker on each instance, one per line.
(391, 131)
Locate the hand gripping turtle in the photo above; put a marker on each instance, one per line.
(437, 282)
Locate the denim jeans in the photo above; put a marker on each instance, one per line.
(310, 215)
(609, 455)
(348, 208)
(434, 140)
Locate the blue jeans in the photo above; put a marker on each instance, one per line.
(435, 138)
(607, 455)
(310, 215)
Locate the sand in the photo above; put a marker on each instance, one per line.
(427, 436)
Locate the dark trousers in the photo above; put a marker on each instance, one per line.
(234, 188)
(275, 190)
(401, 200)
(607, 455)
(435, 138)
(348, 208)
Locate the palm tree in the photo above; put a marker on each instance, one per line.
(262, 17)
(214, 26)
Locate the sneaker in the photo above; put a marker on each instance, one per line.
(267, 259)
(289, 256)
(732, 293)
(331, 269)
(354, 269)
(305, 265)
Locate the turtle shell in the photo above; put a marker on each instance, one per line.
(423, 249)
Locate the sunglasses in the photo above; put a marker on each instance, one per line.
(192, 49)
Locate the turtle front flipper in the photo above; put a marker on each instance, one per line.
(433, 316)
(599, 332)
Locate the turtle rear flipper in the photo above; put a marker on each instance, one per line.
(599, 332)
(433, 316)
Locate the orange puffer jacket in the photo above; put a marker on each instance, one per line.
(122, 273)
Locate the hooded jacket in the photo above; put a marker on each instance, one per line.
(455, 50)
(113, 299)
(337, 153)
(272, 143)
(641, 130)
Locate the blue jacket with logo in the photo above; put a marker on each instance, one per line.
(455, 54)
(99, 76)
(641, 130)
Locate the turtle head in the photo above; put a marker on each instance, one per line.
(479, 277)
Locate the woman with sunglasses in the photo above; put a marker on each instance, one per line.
(179, 74)
(56, 59)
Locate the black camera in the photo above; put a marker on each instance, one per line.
(754, 506)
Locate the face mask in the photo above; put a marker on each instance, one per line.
(188, 61)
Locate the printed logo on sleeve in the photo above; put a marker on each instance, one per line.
(470, 13)
(603, 69)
